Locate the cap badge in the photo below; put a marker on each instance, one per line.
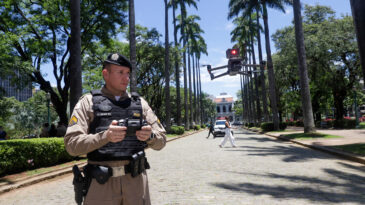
(115, 57)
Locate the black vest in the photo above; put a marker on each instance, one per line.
(105, 111)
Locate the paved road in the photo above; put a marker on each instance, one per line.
(262, 170)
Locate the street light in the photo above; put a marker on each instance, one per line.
(48, 96)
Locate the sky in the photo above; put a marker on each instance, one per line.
(217, 28)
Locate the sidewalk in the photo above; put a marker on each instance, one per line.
(15, 181)
(350, 136)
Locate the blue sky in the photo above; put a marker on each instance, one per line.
(213, 14)
(217, 28)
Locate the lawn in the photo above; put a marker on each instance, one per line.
(304, 136)
(353, 148)
(362, 125)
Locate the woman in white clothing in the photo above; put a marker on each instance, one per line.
(228, 135)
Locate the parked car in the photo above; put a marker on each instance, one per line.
(219, 127)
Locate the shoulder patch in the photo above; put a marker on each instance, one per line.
(73, 121)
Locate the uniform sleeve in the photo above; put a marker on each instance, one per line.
(77, 140)
(159, 141)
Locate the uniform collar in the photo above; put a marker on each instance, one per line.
(109, 95)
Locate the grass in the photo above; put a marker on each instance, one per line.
(305, 136)
(282, 131)
(353, 148)
(172, 135)
(362, 125)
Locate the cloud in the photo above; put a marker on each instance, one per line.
(229, 26)
(288, 11)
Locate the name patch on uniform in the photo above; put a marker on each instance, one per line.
(73, 121)
(136, 114)
(103, 114)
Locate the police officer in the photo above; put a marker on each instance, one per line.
(94, 130)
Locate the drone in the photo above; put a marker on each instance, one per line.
(235, 65)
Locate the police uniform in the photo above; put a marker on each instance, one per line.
(125, 189)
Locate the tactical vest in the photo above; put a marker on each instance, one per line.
(105, 111)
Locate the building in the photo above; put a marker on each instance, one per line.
(21, 93)
(225, 104)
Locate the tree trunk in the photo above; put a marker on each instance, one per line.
(270, 68)
(186, 115)
(177, 74)
(194, 89)
(262, 69)
(190, 91)
(75, 55)
(358, 14)
(167, 70)
(303, 73)
(257, 96)
(132, 46)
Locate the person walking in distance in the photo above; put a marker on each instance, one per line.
(113, 127)
(211, 129)
(228, 134)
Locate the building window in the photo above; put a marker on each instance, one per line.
(218, 109)
(230, 108)
(224, 109)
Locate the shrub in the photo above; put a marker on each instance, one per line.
(267, 126)
(177, 130)
(204, 126)
(339, 123)
(282, 126)
(196, 127)
(350, 123)
(299, 123)
(19, 155)
(251, 124)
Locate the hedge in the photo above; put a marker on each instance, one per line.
(196, 127)
(24, 154)
(267, 126)
(177, 130)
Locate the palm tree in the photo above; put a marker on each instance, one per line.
(177, 69)
(132, 46)
(358, 7)
(246, 7)
(183, 14)
(262, 73)
(303, 73)
(75, 55)
(278, 4)
(167, 69)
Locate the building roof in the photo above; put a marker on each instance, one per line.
(223, 97)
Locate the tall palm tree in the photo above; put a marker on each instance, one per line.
(183, 14)
(358, 14)
(167, 69)
(278, 4)
(132, 46)
(75, 55)
(303, 73)
(247, 7)
(262, 73)
(177, 69)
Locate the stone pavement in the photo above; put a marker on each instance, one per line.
(261, 170)
(194, 170)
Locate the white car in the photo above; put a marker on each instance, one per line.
(219, 128)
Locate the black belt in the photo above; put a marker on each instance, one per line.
(137, 165)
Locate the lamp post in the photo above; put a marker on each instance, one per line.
(356, 113)
(48, 96)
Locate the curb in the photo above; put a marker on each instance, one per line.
(333, 151)
(59, 172)
(37, 178)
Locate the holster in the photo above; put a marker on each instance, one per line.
(100, 173)
(138, 164)
(81, 184)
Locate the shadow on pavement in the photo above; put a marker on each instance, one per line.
(346, 188)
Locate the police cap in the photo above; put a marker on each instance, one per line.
(118, 59)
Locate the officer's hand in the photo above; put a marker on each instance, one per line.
(144, 134)
(116, 133)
